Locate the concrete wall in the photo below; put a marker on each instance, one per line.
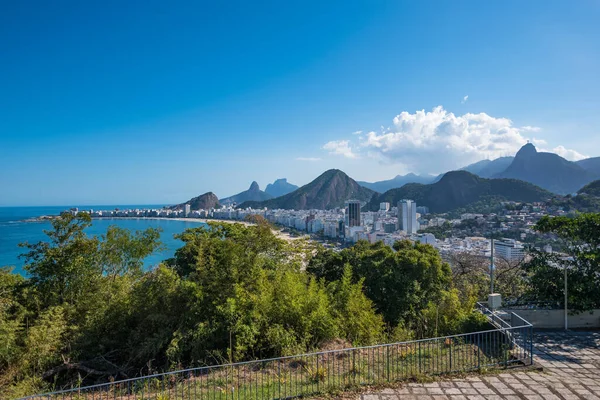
(555, 319)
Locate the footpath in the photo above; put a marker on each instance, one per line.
(571, 370)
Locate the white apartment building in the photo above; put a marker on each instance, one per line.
(509, 249)
(407, 216)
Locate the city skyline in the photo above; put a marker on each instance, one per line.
(129, 105)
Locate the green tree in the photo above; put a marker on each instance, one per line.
(582, 235)
(400, 281)
(65, 268)
(355, 313)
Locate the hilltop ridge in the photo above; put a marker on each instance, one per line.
(252, 194)
(457, 189)
(329, 190)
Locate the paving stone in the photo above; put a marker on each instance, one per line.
(437, 390)
(571, 362)
(453, 391)
(370, 397)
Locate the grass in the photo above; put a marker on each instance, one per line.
(317, 374)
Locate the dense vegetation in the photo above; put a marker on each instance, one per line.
(329, 190)
(582, 264)
(461, 189)
(88, 312)
(587, 199)
(591, 189)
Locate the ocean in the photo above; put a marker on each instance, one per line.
(14, 230)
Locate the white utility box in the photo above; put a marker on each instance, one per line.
(494, 301)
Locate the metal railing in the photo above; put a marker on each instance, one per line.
(327, 371)
(519, 338)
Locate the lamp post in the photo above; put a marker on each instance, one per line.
(566, 282)
(492, 268)
(566, 300)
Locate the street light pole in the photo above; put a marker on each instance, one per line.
(566, 300)
(492, 268)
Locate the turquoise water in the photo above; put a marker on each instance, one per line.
(13, 230)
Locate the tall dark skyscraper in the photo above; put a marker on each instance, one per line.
(353, 212)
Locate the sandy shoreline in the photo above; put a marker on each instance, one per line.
(277, 232)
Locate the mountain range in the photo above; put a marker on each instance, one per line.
(398, 181)
(459, 189)
(330, 190)
(280, 187)
(489, 168)
(529, 176)
(591, 164)
(252, 194)
(547, 170)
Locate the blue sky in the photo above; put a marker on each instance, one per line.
(154, 102)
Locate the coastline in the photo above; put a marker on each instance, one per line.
(196, 220)
(277, 232)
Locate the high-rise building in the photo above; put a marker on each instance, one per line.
(353, 212)
(407, 216)
(186, 210)
(385, 206)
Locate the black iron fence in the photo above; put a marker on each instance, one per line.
(328, 371)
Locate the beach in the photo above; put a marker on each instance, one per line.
(277, 232)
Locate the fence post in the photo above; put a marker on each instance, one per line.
(317, 373)
(531, 345)
(478, 352)
(419, 357)
(450, 352)
(387, 348)
(505, 349)
(354, 365)
(279, 376)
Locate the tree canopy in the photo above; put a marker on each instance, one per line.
(582, 263)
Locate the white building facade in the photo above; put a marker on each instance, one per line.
(407, 216)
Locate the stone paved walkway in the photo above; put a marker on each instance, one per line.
(571, 363)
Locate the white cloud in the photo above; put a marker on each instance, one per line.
(528, 128)
(357, 132)
(340, 147)
(464, 100)
(312, 159)
(569, 154)
(436, 141)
